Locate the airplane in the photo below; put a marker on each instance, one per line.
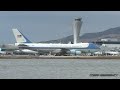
(112, 52)
(61, 49)
(2, 52)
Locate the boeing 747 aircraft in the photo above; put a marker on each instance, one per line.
(62, 49)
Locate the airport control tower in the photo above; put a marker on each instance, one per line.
(76, 29)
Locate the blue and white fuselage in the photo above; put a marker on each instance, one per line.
(58, 46)
(24, 43)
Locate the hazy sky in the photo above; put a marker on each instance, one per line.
(50, 25)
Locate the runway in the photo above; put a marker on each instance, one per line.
(57, 57)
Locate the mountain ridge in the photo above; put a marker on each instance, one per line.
(90, 37)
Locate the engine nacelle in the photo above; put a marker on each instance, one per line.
(74, 52)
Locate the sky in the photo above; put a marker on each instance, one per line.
(51, 25)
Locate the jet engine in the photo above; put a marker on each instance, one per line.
(74, 52)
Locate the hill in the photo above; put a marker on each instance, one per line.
(91, 37)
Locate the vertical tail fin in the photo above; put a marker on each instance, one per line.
(20, 38)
